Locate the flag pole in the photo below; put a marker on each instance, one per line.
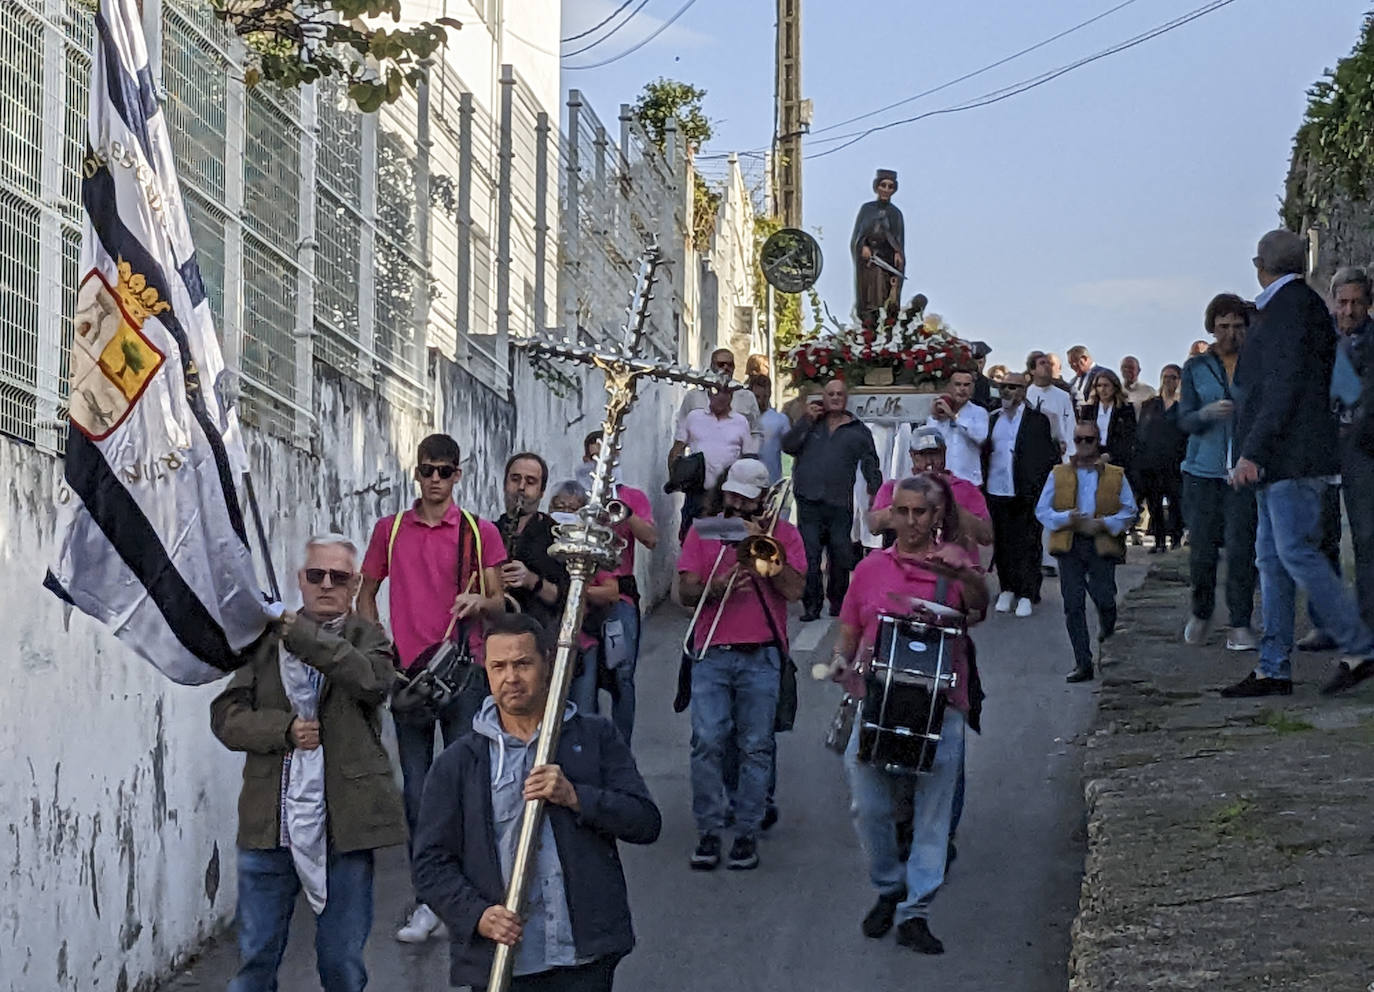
(252, 496)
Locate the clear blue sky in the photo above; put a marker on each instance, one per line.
(1104, 208)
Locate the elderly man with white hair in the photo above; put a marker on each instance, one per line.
(1287, 442)
(318, 796)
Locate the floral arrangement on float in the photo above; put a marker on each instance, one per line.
(894, 347)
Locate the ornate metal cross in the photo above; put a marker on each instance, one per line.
(589, 544)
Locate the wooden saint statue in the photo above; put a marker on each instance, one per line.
(878, 233)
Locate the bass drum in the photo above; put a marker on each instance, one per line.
(903, 708)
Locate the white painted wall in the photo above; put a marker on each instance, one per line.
(118, 804)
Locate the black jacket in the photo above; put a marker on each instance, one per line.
(1120, 440)
(1284, 423)
(1160, 443)
(457, 870)
(530, 547)
(825, 460)
(1035, 453)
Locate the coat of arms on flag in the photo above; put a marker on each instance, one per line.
(112, 360)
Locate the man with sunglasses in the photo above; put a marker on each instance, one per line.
(1087, 505)
(442, 566)
(318, 796)
(742, 401)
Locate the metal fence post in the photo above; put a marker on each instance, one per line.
(464, 289)
(571, 266)
(420, 299)
(48, 360)
(680, 249)
(541, 220)
(367, 249)
(305, 259)
(231, 324)
(506, 157)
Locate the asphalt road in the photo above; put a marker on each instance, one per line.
(1004, 913)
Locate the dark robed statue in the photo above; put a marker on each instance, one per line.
(878, 233)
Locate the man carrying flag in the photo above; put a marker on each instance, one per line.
(154, 541)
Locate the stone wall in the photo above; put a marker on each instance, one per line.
(117, 803)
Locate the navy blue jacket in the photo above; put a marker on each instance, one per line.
(1284, 423)
(458, 872)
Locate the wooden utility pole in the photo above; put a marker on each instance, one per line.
(792, 117)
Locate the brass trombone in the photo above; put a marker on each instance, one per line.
(759, 554)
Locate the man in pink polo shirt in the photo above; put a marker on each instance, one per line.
(441, 564)
(736, 677)
(619, 653)
(928, 455)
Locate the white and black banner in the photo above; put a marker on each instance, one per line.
(154, 541)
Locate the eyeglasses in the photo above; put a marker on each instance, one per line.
(1009, 387)
(1085, 439)
(337, 576)
(445, 471)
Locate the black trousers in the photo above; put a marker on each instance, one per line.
(1220, 515)
(1161, 491)
(826, 527)
(1357, 477)
(1016, 545)
(1083, 572)
(595, 976)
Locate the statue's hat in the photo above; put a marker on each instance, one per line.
(887, 174)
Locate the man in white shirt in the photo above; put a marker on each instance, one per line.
(963, 425)
(1021, 453)
(1052, 400)
(721, 435)
(1136, 391)
(742, 401)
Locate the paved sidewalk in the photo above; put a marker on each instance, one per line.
(1231, 842)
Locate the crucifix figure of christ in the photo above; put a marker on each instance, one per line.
(588, 544)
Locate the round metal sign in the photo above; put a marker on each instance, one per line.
(791, 260)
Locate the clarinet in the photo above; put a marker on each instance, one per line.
(509, 531)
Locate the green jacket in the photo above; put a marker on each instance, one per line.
(253, 715)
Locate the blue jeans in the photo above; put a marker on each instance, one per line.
(734, 694)
(268, 887)
(1288, 549)
(622, 679)
(875, 795)
(415, 744)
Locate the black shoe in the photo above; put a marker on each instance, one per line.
(1347, 677)
(1253, 685)
(879, 918)
(809, 615)
(834, 609)
(915, 934)
(744, 854)
(770, 817)
(707, 854)
(1049, 571)
(1080, 675)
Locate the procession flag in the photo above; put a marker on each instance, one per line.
(154, 542)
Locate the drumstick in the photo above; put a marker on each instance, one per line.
(453, 617)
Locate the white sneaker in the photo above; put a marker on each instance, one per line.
(1195, 631)
(1023, 607)
(1004, 602)
(420, 927)
(1242, 639)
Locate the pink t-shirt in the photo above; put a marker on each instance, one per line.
(883, 583)
(966, 494)
(743, 621)
(423, 576)
(584, 639)
(638, 501)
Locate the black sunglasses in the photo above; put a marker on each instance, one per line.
(1085, 438)
(445, 471)
(315, 576)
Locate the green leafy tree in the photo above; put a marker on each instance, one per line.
(297, 42)
(661, 100)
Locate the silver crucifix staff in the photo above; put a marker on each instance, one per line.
(587, 545)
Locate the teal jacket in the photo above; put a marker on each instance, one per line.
(1209, 441)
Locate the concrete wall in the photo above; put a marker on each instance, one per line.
(118, 804)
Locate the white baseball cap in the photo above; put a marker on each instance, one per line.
(748, 477)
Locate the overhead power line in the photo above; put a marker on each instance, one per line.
(597, 25)
(977, 72)
(611, 33)
(634, 48)
(1006, 92)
